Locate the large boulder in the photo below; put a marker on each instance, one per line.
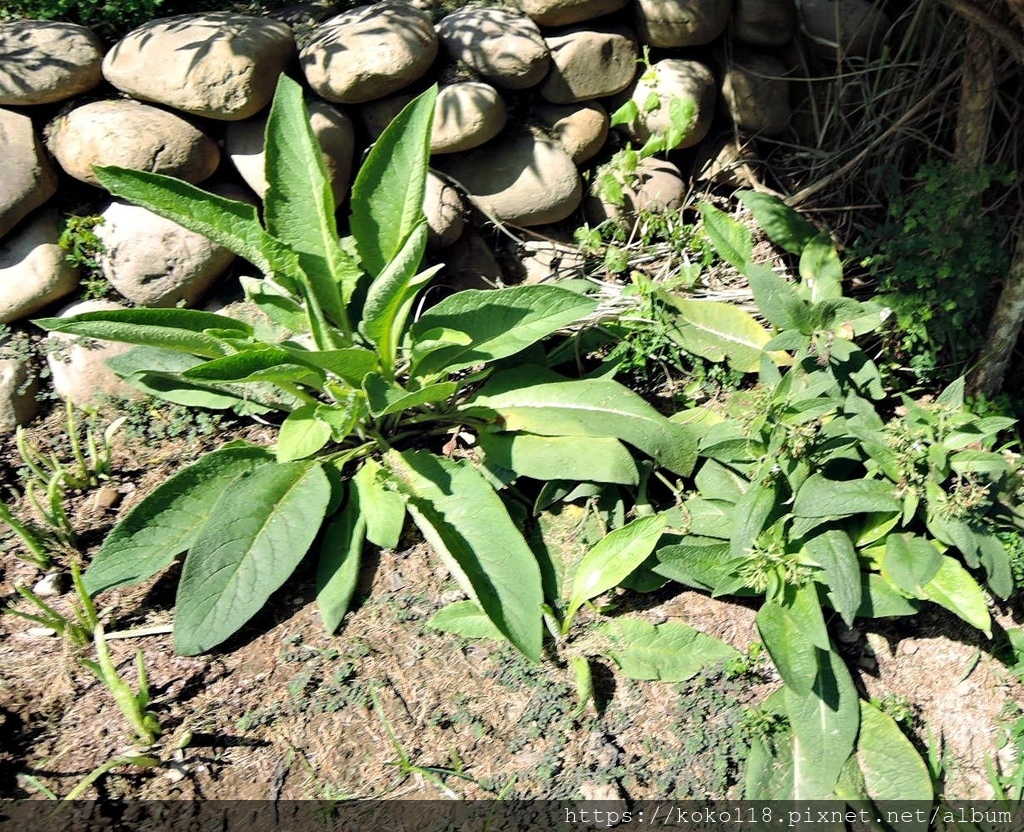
(465, 116)
(673, 23)
(503, 47)
(589, 63)
(27, 178)
(218, 65)
(656, 186)
(130, 135)
(369, 52)
(519, 179)
(34, 271)
(689, 82)
(756, 93)
(566, 12)
(154, 262)
(18, 388)
(444, 209)
(852, 28)
(764, 22)
(44, 61)
(78, 365)
(579, 129)
(244, 144)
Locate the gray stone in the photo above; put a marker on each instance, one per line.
(544, 260)
(377, 115)
(579, 129)
(470, 264)
(219, 65)
(501, 46)
(44, 61)
(333, 129)
(567, 12)
(854, 28)
(369, 52)
(18, 388)
(589, 63)
(756, 93)
(520, 180)
(130, 135)
(688, 81)
(764, 22)
(726, 161)
(34, 271)
(466, 115)
(444, 209)
(77, 365)
(154, 262)
(657, 186)
(27, 178)
(672, 23)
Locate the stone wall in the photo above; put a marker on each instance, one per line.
(523, 114)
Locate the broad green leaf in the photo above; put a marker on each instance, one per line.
(351, 365)
(275, 303)
(544, 458)
(465, 619)
(302, 434)
(783, 225)
(710, 518)
(820, 269)
(953, 587)
(253, 365)
(910, 562)
(892, 768)
(880, 600)
(387, 195)
(821, 497)
(468, 526)
(383, 509)
(497, 323)
(824, 721)
(255, 536)
(166, 523)
(299, 204)
(391, 295)
(989, 463)
(719, 482)
(769, 768)
(778, 299)
(612, 560)
(235, 225)
(731, 240)
(338, 568)
(996, 563)
(173, 329)
(718, 331)
(385, 398)
(751, 514)
(833, 551)
(953, 395)
(534, 400)
(670, 652)
(793, 655)
(700, 562)
(805, 609)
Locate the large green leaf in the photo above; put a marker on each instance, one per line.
(721, 331)
(892, 768)
(534, 400)
(497, 323)
(467, 525)
(782, 224)
(778, 299)
(340, 556)
(669, 652)
(820, 269)
(302, 434)
(299, 203)
(387, 195)
(613, 559)
(235, 225)
(174, 329)
(953, 588)
(264, 363)
(793, 655)
(576, 458)
(166, 522)
(383, 508)
(731, 240)
(821, 497)
(824, 722)
(384, 398)
(833, 551)
(751, 514)
(700, 562)
(910, 562)
(351, 365)
(254, 537)
(465, 619)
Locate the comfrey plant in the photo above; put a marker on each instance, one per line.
(375, 407)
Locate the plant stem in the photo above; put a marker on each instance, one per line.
(32, 543)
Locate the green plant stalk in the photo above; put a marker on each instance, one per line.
(28, 457)
(51, 618)
(143, 761)
(87, 614)
(39, 555)
(83, 479)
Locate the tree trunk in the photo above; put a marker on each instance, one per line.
(1007, 320)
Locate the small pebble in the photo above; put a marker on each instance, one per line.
(107, 497)
(51, 585)
(395, 581)
(45, 632)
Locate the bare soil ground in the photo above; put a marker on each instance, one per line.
(390, 708)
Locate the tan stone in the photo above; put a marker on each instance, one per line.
(690, 82)
(567, 12)
(503, 47)
(756, 93)
(18, 388)
(130, 135)
(854, 28)
(466, 115)
(219, 65)
(34, 271)
(369, 52)
(444, 209)
(764, 22)
(589, 63)
(656, 186)
(27, 178)
(579, 129)
(45, 61)
(672, 23)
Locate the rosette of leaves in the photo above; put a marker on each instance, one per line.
(829, 500)
(370, 400)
